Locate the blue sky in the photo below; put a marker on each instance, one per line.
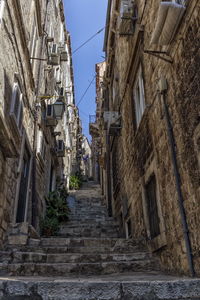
(84, 18)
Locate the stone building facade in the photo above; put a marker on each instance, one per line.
(151, 117)
(37, 111)
(86, 159)
(95, 125)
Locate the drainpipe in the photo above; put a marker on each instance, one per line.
(108, 175)
(172, 144)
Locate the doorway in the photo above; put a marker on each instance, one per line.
(24, 186)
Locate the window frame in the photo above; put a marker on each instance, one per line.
(41, 146)
(159, 241)
(17, 117)
(2, 5)
(62, 33)
(139, 96)
(25, 143)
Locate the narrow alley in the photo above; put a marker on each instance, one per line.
(99, 150)
(88, 260)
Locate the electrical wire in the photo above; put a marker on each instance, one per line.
(88, 40)
(91, 82)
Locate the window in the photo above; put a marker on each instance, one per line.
(139, 98)
(62, 34)
(41, 146)
(152, 207)
(2, 4)
(33, 40)
(58, 75)
(16, 109)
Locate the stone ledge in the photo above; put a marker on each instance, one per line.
(97, 289)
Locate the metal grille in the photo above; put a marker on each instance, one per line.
(152, 207)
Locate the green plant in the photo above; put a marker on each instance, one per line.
(75, 182)
(57, 211)
(49, 226)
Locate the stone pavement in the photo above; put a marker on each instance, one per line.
(88, 260)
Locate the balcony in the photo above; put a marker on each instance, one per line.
(93, 126)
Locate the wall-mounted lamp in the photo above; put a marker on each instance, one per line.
(59, 109)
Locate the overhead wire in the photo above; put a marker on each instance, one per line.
(91, 82)
(88, 40)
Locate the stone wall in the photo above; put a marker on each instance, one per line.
(145, 150)
(24, 27)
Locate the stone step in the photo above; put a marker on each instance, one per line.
(89, 234)
(40, 257)
(88, 226)
(87, 220)
(77, 249)
(88, 216)
(87, 242)
(107, 222)
(135, 286)
(90, 208)
(64, 269)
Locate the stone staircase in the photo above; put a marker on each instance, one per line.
(88, 260)
(89, 244)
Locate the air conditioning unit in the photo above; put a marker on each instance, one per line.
(126, 8)
(62, 49)
(60, 149)
(113, 120)
(128, 17)
(54, 57)
(111, 116)
(64, 56)
(50, 117)
(49, 39)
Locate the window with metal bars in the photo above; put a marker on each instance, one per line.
(16, 108)
(152, 207)
(2, 3)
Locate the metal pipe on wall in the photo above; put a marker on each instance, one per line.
(172, 144)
